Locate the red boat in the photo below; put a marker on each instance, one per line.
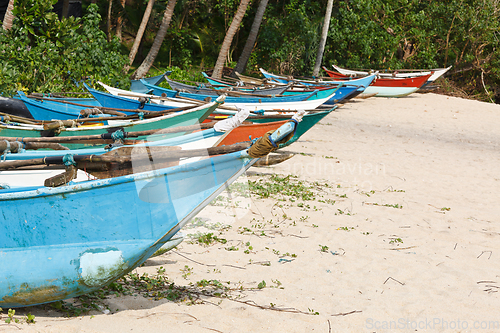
(389, 87)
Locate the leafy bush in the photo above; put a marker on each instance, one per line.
(40, 53)
(397, 34)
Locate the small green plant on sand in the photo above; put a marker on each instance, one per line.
(396, 241)
(208, 239)
(186, 271)
(29, 318)
(323, 248)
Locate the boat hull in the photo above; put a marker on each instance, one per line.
(265, 91)
(435, 73)
(53, 110)
(249, 132)
(184, 118)
(311, 103)
(390, 91)
(137, 86)
(74, 242)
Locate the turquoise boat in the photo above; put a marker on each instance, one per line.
(199, 139)
(73, 242)
(192, 116)
(137, 86)
(160, 91)
(202, 89)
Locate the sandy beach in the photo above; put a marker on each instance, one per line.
(384, 221)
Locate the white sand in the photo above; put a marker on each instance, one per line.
(421, 267)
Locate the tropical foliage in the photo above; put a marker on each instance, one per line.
(41, 53)
(380, 34)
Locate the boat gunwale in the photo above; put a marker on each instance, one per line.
(41, 191)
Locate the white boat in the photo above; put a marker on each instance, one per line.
(308, 104)
(436, 73)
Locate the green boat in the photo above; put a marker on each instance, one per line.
(183, 118)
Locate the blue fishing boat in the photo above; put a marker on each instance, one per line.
(188, 117)
(202, 89)
(306, 101)
(74, 242)
(45, 109)
(137, 86)
(160, 91)
(125, 102)
(254, 107)
(340, 93)
(364, 81)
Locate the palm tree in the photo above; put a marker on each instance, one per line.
(8, 18)
(119, 20)
(252, 37)
(153, 52)
(140, 33)
(110, 6)
(322, 41)
(226, 44)
(65, 9)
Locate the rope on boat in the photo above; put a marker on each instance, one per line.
(6, 150)
(264, 145)
(68, 160)
(118, 135)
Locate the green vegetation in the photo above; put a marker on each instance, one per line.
(11, 319)
(44, 54)
(208, 239)
(396, 241)
(282, 185)
(41, 53)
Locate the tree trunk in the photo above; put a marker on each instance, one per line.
(140, 33)
(65, 9)
(8, 18)
(119, 21)
(109, 19)
(226, 44)
(324, 35)
(153, 52)
(252, 37)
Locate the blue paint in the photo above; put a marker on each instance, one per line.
(137, 86)
(364, 81)
(113, 101)
(154, 140)
(120, 222)
(51, 110)
(156, 90)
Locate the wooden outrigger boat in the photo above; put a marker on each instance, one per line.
(180, 118)
(393, 86)
(137, 86)
(218, 90)
(239, 102)
(208, 136)
(160, 91)
(74, 242)
(83, 245)
(343, 72)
